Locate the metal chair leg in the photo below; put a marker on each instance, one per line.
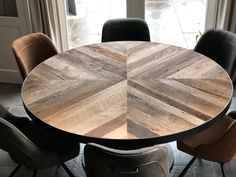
(15, 170)
(34, 173)
(67, 170)
(187, 167)
(222, 169)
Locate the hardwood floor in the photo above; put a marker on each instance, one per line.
(10, 97)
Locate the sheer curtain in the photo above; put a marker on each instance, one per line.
(226, 15)
(45, 19)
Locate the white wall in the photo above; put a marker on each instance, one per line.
(12, 28)
(9, 72)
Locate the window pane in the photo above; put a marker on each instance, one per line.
(85, 19)
(176, 22)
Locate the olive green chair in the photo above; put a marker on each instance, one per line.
(32, 146)
(101, 161)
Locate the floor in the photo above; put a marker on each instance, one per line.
(10, 98)
(176, 22)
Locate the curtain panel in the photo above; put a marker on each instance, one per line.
(45, 19)
(226, 15)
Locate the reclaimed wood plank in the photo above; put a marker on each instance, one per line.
(127, 90)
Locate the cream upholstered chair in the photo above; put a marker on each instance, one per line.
(216, 143)
(33, 146)
(101, 161)
(125, 29)
(32, 49)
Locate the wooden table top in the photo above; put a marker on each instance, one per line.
(128, 90)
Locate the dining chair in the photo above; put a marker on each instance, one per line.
(32, 49)
(125, 29)
(220, 46)
(216, 143)
(15, 120)
(31, 146)
(108, 162)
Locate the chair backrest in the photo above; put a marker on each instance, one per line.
(30, 50)
(125, 29)
(220, 46)
(222, 149)
(107, 162)
(15, 120)
(21, 149)
(5, 113)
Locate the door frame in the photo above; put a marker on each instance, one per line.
(9, 72)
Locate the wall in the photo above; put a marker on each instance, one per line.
(14, 22)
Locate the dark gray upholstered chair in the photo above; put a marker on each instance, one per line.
(101, 161)
(125, 29)
(32, 146)
(32, 49)
(220, 46)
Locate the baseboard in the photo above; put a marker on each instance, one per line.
(10, 76)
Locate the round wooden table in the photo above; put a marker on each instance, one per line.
(128, 93)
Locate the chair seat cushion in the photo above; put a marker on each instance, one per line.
(190, 144)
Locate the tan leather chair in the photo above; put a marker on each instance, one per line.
(216, 143)
(101, 161)
(30, 50)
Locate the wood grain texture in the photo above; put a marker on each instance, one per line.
(127, 90)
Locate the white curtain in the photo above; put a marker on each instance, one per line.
(45, 19)
(226, 15)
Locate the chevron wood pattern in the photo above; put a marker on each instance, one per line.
(127, 90)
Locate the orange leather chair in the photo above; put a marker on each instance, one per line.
(216, 143)
(30, 50)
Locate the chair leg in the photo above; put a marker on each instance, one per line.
(15, 170)
(187, 167)
(67, 170)
(222, 169)
(34, 173)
